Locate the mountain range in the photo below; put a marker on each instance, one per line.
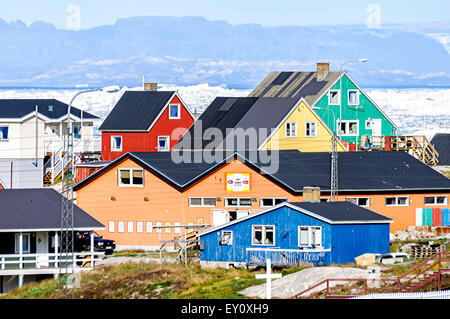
(192, 50)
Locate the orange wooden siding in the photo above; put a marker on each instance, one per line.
(167, 205)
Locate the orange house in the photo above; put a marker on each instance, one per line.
(141, 190)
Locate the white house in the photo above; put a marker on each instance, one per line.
(31, 139)
(30, 237)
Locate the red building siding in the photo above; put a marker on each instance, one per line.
(83, 172)
(148, 141)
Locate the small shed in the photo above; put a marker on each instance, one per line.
(318, 233)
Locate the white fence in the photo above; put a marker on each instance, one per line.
(42, 263)
(444, 294)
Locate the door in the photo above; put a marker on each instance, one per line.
(376, 127)
(42, 248)
(220, 217)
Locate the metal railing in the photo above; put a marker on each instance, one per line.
(287, 257)
(407, 282)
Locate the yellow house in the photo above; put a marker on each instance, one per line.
(259, 123)
(301, 129)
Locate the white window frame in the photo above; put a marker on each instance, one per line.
(167, 148)
(311, 233)
(5, 139)
(130, 227)
(314, 124)
(396, 201)
(178, 111)
(263, 236)
(114, 145)
(357, 97)
(273, 201)
(238, 202)
(131, 177)
(25, 237)
(288, 129)
(368, 127)
(435, 200)
(202, 204)
(339, 97)
(120, 226)
(358, 201)
(111, 226)
(229, 241)
(347, 127)
(149, 227)
(139, 227)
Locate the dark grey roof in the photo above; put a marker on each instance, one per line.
(441, 142)
(38, 208)
(342, 212)
(51, 108)
(295, 85)
(223, 113)
(358, 172)
(136, 110)
(330, 212)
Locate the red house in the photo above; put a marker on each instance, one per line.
(143, 121)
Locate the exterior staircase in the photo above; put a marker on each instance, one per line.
(430, 269)
(417, 145)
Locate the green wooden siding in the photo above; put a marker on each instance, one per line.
(362, 112)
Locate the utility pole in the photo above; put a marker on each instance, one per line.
(67, 260)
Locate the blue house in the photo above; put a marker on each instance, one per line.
(319, 233)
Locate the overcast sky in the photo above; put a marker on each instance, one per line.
(280, 12)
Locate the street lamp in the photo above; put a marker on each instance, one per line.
(67, 233)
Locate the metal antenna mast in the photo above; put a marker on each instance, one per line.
(334, 159)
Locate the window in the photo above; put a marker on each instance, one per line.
(25, 243)
(348, 128)
(361, 201)
(334, 97)
(149, 227)
(310, 129)
(263, 235)
(77, 132)
(353, 97)
(163, 143)
(238, 202)
(116, 143)
(436, 200)
(291, 129)
(111, 226)
(268, 202)
(309, 236)
(226, 238)
(202, 202)
(369, 124)
(131, 177)
(397, 201)
(139, 227)
(130, 227)
(121, 227)
(4, 133)
(174, 111)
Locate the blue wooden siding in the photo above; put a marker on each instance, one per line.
(352, 240)
(286, 222)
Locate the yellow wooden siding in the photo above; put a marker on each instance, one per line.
(302, 114)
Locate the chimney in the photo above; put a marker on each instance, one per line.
(322, 70)
(311, 194)
(150, 86)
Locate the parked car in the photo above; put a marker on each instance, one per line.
(83, 243)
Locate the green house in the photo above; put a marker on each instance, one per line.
(342, 105)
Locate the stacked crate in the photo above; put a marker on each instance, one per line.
(425, 251)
